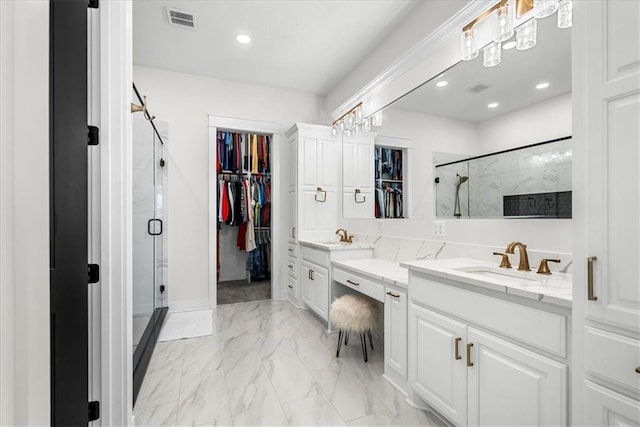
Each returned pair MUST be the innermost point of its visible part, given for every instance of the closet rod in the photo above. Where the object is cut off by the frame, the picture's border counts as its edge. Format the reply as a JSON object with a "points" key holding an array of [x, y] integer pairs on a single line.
{"points": [[135, 89]]}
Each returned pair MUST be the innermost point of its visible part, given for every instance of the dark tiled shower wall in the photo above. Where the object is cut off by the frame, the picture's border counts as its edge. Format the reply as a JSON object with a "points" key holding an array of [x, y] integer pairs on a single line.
{"points": [[547, 205]]}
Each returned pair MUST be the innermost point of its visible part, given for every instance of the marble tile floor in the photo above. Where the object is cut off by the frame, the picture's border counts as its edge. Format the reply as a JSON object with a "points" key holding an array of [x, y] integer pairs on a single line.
{"points": [[269, 363]]}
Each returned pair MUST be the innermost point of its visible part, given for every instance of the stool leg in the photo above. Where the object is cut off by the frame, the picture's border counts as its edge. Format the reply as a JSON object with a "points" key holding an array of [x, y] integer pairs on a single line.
{"points": [[340, 333], [363, 341], [370, 339], [346, 337]]}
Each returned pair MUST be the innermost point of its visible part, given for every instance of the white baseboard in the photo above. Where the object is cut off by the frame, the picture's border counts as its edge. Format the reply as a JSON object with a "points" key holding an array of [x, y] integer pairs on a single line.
{"points": [[189, 305]]}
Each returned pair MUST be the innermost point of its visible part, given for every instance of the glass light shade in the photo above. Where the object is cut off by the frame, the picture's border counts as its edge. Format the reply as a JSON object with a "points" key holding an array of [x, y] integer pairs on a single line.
{"points": [[504, 25], [366, 124], [348, 120], [526, 35], [341, 126], [347, 133], [565, 14], [376, 120], [334, 130], [359, 114], [492, 54], [469, 45], [356, 129], [544, 8]]}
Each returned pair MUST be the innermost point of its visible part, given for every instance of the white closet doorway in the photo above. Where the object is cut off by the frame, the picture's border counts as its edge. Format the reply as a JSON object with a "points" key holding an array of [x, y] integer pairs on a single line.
{"points": [[243, 244]]}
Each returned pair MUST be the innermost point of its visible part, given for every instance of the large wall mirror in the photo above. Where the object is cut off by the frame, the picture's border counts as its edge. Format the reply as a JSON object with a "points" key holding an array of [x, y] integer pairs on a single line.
{"points": [[512, 119]]}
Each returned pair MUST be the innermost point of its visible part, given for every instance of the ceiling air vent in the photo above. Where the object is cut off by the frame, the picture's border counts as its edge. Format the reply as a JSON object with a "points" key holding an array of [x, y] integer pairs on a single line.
{"points": [[477, 88], [181, 18]]}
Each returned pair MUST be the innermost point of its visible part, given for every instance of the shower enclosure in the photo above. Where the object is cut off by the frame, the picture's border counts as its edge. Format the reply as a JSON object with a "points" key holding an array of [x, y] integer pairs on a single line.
{"points": [[149, 241]]}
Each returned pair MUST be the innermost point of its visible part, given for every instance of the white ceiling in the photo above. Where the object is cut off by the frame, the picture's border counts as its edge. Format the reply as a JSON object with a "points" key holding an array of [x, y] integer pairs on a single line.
{"points": [[511, 83], [307, 46]]}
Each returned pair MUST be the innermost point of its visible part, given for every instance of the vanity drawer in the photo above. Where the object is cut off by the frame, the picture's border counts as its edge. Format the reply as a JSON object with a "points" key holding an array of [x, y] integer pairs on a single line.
{"points": [[316, 256], [541, 329], [292, 250], [612, 357], [360, 284], [292, 267]]}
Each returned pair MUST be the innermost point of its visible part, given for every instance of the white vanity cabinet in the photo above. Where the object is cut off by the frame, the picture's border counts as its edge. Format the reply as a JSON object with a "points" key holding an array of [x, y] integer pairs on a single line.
{"points": [[313, 177], [482, 360], [357, 176], [315, 288], [395, 334]]}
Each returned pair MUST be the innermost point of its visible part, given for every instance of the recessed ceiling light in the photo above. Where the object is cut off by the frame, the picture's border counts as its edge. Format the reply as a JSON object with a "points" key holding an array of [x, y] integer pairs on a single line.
{"points": [[542, 85], [442, 83], [493, 105], [243, 38], [509, 45]]}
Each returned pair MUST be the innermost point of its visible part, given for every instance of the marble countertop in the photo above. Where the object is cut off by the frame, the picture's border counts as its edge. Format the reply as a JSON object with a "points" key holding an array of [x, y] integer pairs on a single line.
{"points": [[337, 245], [383, 270], [554, 289]]}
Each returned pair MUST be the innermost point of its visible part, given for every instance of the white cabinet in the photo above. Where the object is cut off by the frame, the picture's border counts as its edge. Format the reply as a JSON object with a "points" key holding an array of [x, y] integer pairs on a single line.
{"points": [[475, 377], [315, 288], [395, 331], [606, 195], [510, 386], [438, 371], [357, 176], [313, 160]]}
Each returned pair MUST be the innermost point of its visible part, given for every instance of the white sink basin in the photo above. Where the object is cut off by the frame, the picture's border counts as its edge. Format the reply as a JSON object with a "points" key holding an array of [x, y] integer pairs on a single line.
{"points": [[500, 274]]}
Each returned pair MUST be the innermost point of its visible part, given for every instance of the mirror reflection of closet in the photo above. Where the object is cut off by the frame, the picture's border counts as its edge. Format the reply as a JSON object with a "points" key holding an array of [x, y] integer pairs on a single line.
{"points": [[150, 263]]}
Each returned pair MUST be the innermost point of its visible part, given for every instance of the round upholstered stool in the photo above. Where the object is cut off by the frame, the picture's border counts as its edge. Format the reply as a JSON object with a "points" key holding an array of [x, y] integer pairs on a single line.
{"points": [[354, 313]]}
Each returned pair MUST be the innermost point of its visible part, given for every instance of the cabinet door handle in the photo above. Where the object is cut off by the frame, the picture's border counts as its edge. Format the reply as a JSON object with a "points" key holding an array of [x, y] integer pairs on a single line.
{"points": [[353, 283], [319, 190], [293, 232], [469, 347], [638, 370], [590, 295], [291, 266], [311, 275], [457, 349], [391, 294], [291, 287], [290, 250]]}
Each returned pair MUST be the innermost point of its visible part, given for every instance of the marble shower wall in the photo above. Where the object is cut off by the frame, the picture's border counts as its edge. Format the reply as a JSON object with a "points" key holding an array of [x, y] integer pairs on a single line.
{"points": [[539, 169], [403, 249]]}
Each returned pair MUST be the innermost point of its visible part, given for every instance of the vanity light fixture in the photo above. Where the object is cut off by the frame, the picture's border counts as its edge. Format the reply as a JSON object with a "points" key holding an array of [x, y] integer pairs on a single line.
{"points": [[565, 14], [526, 34], [350, 122], [493, 105], [366, 124], [442, 83], [243, 38], [509, 45], [492, 54], [377, 119], [504, 29], [541, 86], [544, 8]]}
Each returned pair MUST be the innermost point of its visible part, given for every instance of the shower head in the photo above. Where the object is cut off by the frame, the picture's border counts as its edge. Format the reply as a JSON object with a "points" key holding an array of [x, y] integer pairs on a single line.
{"points": [[461, 178]]}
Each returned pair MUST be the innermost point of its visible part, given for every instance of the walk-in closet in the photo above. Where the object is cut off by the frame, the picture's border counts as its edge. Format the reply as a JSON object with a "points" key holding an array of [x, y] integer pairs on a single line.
{"points": [[243, 216]]}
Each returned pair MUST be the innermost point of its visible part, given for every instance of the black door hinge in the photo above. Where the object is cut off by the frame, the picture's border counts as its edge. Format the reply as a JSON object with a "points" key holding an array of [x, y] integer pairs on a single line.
{"points": [[93, 137], [94, 273], [93, 4], [94, 410]]}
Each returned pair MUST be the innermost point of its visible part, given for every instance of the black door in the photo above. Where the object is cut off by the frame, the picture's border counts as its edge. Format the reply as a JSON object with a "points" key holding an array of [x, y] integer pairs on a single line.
{"points": [[68, 212]]}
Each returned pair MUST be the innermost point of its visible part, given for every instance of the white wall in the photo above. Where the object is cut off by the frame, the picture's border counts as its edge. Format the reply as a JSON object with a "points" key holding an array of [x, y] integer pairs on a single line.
{"points": [[185, 101], [542, 121], [24, 213]]}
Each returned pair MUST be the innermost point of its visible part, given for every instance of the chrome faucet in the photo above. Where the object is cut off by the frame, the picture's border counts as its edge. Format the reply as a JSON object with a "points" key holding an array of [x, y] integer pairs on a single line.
{"points": [[344, 236], [524, 257]]}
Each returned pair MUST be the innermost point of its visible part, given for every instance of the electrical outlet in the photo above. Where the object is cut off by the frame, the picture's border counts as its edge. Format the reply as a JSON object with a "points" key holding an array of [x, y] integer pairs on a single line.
{"points": [[380, 226], [438, 228]]}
